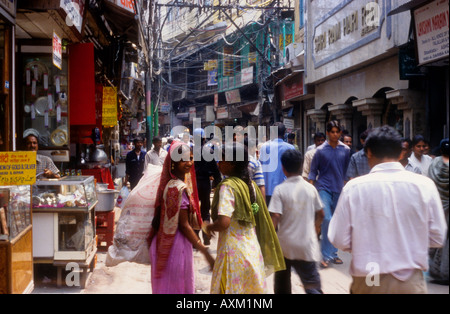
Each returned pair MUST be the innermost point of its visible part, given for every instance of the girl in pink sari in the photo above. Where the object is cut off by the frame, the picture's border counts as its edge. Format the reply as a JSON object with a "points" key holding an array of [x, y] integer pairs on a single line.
{"points": [[172, 236]]}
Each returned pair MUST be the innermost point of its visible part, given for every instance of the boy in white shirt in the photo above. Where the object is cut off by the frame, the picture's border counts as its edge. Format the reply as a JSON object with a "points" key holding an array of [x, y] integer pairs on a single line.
{"points": [[297, 213]]}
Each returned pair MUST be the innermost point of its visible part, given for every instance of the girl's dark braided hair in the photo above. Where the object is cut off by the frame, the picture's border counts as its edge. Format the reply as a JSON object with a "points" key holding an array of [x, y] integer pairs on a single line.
{"points": [[240, 169]]}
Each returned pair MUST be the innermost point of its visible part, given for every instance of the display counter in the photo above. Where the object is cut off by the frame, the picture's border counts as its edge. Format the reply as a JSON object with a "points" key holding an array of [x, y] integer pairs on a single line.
{"points": [[16, 257], [64, 222]]}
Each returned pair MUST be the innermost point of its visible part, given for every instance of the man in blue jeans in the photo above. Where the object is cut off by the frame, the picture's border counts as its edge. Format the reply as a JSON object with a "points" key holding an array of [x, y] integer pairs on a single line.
{"points": [[328, 173]]}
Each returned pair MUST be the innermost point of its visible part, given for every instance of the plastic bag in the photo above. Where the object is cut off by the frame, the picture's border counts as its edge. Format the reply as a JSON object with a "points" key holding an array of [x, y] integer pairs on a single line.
{"points": [[123, 195], [133, 226]]}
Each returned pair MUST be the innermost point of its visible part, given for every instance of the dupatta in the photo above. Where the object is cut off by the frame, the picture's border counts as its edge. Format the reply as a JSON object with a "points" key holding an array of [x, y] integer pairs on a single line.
{"points": [[244, 213], [167, 207]]}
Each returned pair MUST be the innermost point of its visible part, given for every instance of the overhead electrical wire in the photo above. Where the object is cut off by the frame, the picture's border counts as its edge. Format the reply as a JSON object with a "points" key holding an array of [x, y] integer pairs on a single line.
{"points": [[195, 43]]}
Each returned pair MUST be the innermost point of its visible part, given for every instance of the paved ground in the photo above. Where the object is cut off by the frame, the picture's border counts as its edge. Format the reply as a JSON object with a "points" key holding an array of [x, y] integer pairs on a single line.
{"points": [[131, 278]]}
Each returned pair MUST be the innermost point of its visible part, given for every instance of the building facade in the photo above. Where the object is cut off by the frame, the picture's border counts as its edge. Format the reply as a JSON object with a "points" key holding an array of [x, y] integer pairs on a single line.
{"points": [[361, 63]]}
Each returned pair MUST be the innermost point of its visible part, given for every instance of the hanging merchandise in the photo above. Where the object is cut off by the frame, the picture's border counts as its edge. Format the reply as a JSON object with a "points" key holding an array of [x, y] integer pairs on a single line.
{"points": [[45, 100]]}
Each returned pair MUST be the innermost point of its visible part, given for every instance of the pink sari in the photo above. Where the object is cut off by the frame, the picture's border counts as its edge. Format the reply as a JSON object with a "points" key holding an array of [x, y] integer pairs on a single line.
{"points": [[171, 253]]}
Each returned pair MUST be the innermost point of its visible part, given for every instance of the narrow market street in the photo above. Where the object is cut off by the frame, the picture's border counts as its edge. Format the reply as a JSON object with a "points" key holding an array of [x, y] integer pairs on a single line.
{"points": [[132, 278], [197, 115]]}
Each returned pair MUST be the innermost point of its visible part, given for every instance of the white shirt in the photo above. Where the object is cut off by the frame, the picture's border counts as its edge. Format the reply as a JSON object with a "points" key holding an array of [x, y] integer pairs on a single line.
{"points": [[311, 147], [297, 201], [423, 164], [309, 155], [389, 217], [152, 157]]}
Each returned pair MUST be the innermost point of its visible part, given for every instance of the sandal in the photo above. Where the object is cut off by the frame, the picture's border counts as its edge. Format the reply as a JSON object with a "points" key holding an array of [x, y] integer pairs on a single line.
{"points": [[337, 261], [324, 264]]}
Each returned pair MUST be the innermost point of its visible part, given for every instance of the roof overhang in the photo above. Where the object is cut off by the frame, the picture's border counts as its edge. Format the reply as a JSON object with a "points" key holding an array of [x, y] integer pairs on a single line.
{"points": [[410, 5]]}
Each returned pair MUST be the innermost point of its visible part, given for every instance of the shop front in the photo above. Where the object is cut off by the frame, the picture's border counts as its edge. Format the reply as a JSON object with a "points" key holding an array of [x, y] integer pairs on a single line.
{"points": [[60, 96], [354, 64], [424, 60]]}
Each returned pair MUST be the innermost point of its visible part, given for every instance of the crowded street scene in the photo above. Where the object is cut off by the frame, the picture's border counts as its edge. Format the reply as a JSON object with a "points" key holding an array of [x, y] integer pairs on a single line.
{"points": [[209, 147]]}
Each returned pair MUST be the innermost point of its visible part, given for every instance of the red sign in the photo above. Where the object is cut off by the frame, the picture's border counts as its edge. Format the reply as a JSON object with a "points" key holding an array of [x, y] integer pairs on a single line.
{"points": [[57, 51], [127, 5], [293, 88]]}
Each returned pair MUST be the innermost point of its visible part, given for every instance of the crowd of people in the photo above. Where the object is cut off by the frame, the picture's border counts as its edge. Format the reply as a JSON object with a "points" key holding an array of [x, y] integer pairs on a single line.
{"points": [[275, 209]]}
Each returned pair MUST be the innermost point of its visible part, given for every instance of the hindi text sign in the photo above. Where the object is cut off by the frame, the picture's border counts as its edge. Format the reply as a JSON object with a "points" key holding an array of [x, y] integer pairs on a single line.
{"points": [[57, 51], [17, 168], [109, 110]]}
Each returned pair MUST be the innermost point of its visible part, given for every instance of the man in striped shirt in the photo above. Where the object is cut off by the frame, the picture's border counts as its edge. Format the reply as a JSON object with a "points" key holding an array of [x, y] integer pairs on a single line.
{"points": [[44, 165], [254, 166]]}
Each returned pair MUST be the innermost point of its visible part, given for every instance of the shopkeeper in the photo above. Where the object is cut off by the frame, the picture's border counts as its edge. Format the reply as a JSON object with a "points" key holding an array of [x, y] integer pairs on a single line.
{"points": [[45, 168]]}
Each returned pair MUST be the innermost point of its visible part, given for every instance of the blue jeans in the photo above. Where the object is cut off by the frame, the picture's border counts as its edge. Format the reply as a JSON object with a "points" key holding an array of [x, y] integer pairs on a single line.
{"points": [[329, 200], [308, 275]]}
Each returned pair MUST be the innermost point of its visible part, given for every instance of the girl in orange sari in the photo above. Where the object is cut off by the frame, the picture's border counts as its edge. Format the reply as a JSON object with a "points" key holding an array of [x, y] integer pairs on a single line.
{"points": [[172, 236]]}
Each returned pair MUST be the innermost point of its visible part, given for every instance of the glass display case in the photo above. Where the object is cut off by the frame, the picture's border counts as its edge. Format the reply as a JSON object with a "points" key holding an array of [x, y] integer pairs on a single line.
{"points": [[64, 216], [16, 257], [67, 194], [15, 211]]}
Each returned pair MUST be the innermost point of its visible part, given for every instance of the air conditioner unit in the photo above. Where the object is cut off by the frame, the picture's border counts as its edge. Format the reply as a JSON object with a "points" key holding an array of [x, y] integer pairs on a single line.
{"points": [[292, 51]]}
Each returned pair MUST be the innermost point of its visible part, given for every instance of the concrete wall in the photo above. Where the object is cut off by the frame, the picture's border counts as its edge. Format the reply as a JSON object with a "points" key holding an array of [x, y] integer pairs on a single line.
{"points": [[346, 35]]}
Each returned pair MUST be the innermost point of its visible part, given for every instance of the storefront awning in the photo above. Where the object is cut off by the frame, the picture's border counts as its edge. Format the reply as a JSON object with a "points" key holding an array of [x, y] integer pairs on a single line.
{"points": [[248, 108], [287, 77], [121, 21], [407, 6]]}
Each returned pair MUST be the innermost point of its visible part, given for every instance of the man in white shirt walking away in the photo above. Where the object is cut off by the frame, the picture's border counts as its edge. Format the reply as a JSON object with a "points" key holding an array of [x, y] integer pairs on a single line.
{"points": [[297, 213], [387, 233]]}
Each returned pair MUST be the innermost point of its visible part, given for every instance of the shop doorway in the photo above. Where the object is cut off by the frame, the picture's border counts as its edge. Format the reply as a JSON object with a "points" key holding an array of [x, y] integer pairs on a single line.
{"points": [[391, 115]]}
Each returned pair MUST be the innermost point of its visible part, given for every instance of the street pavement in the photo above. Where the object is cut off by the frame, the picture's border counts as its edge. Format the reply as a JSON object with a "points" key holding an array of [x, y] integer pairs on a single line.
{"points": [[132, 278]]}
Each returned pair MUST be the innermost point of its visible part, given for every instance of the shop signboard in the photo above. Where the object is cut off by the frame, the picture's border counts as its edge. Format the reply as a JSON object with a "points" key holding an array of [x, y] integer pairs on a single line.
{"points": [[222, 113], [9, 6], [164, 107], [109, 111], [408, 63], [17, 168], [233, 96], [210, 65], [57, 51], [289, 124], [74, 10], [432, 26], [125, 4], [212, 77], [347, 27], [247, 76], [293, 88]]}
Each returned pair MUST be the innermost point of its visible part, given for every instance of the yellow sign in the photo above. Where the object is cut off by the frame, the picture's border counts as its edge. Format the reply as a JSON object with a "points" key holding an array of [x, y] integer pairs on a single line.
{"points": [[109, 111], [17, 168], [210, 65]]}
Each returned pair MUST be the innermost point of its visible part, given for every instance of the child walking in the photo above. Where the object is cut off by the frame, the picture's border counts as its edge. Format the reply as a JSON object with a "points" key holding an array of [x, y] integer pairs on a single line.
{"points": [[297, 213]]}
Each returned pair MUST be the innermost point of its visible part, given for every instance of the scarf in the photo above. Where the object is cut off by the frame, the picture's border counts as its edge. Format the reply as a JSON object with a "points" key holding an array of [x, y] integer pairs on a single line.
{"points": [[438, 172], [243, 212], [167, 207], [438, 257]]}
